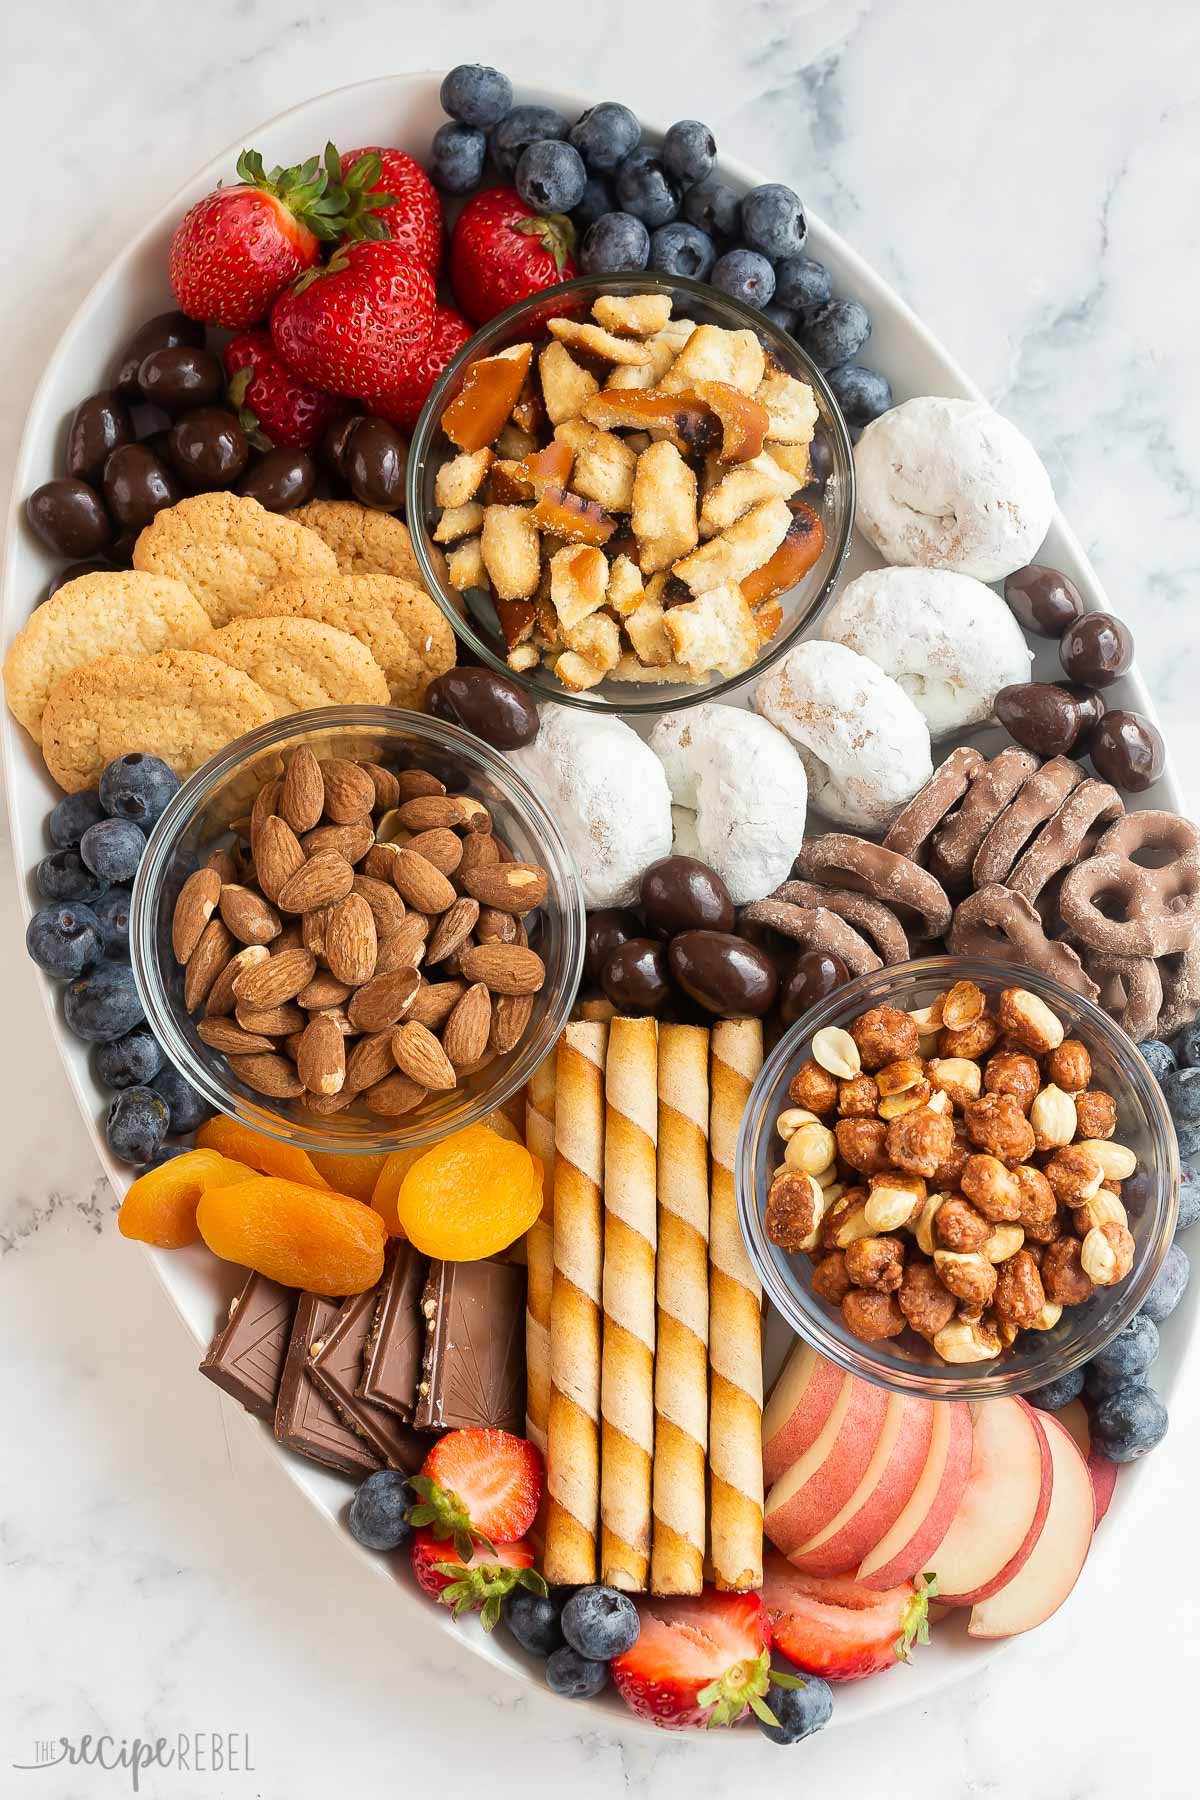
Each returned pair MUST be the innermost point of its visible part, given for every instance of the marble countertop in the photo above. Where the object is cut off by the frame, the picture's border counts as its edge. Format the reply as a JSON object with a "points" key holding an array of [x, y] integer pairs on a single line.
{"points": [[1027, 191]]}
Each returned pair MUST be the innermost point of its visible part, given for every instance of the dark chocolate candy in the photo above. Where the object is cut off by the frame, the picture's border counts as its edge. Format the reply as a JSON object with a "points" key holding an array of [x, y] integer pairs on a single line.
{"points": [[337, 1370], [392, 1358], [473, 1371], [247, 1354], [306, 1420]]}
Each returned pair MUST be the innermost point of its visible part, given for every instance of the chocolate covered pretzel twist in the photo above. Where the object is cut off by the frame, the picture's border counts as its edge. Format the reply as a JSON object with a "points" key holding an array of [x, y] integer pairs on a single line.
{"points": [[1003, 926], [840, 861], [1157, 905]]}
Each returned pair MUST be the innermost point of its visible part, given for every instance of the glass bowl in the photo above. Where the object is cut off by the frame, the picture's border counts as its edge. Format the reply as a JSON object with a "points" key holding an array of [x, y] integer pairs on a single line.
{"points": [[198, 820], [474, 619], [908, 1364]]}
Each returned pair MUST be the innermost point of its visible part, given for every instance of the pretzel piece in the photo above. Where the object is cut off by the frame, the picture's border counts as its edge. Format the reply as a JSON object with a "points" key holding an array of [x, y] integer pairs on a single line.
{"points": [[1118, 904], [912, 829], [1003, 926], [841, 861], [815, 928]]}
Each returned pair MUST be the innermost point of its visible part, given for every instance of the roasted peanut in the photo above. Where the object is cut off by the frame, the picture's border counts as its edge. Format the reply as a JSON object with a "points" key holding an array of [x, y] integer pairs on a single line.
{"points": [[830, 1277], [877, 1263], [1074, 1174], [959, 1227], [1004, 1242], [894, 1200], [996, 1124], [811, 1149], [973, 1040], [991, 1188], [1107, 1254], [792, 1118], [962, 1005], [858, 1098], [924, 1226], [1028, 1019], [863, 1144], [795, 1207], [1063, 1275], [897, 1077], [884, 1034], [1116, 1162], [924, 1300], [1096, 1113], [836, 1052], [1104, 1208], [896, 1105], [967, 1274], [1069, 1066], [1020, 1295], [872, 1316], [1012, 1072], [814, 1087], [846, 1220], [920, 1141], [1052, 1116], [956, 1076], [967, 1340]]}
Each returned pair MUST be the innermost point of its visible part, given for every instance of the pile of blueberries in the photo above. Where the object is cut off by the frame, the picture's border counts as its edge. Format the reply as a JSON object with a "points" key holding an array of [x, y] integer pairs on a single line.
{"points": [[635, 207], [1127, 1417], [81, 937]]}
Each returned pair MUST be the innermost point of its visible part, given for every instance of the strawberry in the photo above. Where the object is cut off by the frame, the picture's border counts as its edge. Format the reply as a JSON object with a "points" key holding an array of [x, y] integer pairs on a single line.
{"points": [[237, 249], [501, 253], [835, 1626], [358, 325], [450, 333], [701, 1660], [479, 1486], [391, 196], [273, 406], [477, 1583]]}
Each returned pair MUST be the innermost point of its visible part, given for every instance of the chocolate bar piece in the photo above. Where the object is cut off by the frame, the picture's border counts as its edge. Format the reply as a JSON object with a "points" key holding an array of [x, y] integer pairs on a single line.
{"points": [[392, 1359], [337, 1368], [473, 1371], [247, 1354], [306, 1420]]}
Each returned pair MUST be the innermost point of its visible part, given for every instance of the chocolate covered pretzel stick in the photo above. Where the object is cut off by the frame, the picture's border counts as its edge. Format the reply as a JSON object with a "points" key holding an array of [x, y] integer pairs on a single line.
{"points": [[539, 1252]]}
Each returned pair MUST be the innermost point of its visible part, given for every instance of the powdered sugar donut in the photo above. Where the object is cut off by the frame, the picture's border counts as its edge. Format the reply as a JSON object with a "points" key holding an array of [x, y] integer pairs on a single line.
{"points": [[608, 794], [950, 484], [864, 745], [950, 642], [745, 792]]}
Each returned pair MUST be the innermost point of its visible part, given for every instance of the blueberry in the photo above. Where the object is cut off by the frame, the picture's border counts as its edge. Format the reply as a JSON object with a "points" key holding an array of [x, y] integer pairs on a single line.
{"points": [[645, 189], [72, 816], [605, 134], [820, 459], [130, 1061], [112, 910], [783, 316], [689, 151], [63, 875], [551, 177], [456, 157], [1128, 1422], [1169, 1285], [379, 1511], [573, 1676], [186, 1107], [138, 787], [113, 849], [523, 126], [1189, 1198], [773, 221], [835, 332], [136, 1125], [533, 1620], [715, 208], [682, 249], [800, 1711], [802, 282], [1159, 1056], [593, 203], [1127, 1356], [861, 393], [168, 1153], [1057, 1394], [1181, 1091], [615, 242], [1187, 1046], [745, 276], [65, 939], [601, 1622], [476, 94], [103, 1004]]}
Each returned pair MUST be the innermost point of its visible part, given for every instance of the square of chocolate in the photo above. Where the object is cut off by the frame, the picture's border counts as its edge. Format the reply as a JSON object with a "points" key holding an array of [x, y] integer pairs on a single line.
{"points": [[306, 1420], [336, 1368], [473, 1370], [247, 1354], [392, 1358]]}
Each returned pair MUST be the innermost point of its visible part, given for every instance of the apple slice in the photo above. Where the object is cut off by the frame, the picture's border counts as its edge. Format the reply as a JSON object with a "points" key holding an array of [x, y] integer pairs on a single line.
{"points": [[1103, 1473], [801, 1401], [908, 1548], [887, 1485], [1050, 1571], [1003, 1506], [816, 1487]]}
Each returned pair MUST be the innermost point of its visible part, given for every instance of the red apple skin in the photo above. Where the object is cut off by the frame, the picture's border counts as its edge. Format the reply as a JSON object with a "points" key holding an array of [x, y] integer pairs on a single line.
{"points": [[1037, 1590], [886, 1487], [815, 1488], [800, 1402], [925, 1520], [976, 1499]]}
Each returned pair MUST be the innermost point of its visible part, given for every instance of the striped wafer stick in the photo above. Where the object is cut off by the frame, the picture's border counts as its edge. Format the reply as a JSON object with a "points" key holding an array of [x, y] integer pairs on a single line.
{"points": [[539, 1252], [573, 1421], [681, 1369], [630, 1231], [735, 1329]]}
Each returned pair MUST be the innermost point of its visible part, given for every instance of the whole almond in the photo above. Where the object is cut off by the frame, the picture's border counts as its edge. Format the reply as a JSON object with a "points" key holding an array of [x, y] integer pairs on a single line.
{"points": [[495, 927], [349, 791], [450, 810], [504, 968], [197, 902], [389, 829], [277, 856], [350, 841], [415, 784], [504, 853], [420, 884], [387, 788], [477, 850], [279, 979], [405, 949], [302, 796], [435, 1001], [323, 1104], [321, 1056], [270, 1075], [230, 1039], [513, 887], [369, 1061], [313, 926], [394, 1095], [377, 863], [452, 930], [441, 847], [322, 991], [266, 804], [511, 1014], [387, 908], [290, 938], [383, 1000], [324, 878], [210, 956], [272, 1021], [419, 1056], [351, 945], [251, 919], [224, 862], [466, 1032], [489, 1056], [221, 998]]}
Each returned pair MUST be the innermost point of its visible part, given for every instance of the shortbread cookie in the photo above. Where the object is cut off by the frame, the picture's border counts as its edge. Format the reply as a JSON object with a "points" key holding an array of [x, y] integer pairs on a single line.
{"points": [[182, 705], [300, 663], [365, 542], [406, 632], [114, 612], [230, 550]]}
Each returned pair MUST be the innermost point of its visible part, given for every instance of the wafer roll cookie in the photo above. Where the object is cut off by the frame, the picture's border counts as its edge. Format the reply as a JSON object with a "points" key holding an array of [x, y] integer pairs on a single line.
{"points": [[735, 1328], [630, 1232], [681, 1368], [573, 1423], [539, 1252]]}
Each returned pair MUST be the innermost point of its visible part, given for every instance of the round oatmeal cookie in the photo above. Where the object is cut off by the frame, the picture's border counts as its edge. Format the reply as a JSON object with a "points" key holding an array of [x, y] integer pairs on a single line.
{"points": [[230, 550], [113, 612], [365, 541], [406, 632], [181, 705], [300, 663]]}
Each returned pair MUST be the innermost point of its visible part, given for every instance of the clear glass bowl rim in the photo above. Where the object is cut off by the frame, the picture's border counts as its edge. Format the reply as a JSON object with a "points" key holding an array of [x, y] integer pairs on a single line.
{"points": [[739, 317], [803, 1313]]}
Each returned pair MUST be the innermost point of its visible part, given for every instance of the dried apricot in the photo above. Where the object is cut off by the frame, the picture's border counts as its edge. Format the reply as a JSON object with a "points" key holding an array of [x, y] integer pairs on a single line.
{"points": [[267, 1154], [353, 1175], [160, 1207], [387, 1187], [301, 1236], [470, 1196]]}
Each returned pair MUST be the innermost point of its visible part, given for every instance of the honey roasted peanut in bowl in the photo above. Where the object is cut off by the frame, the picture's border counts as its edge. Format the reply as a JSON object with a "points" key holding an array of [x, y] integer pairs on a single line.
{"points": [[357, 929], [989, 1222]]}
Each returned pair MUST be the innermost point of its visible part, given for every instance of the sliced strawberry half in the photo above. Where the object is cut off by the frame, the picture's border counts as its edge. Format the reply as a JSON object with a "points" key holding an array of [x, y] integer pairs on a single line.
{"points": [[477, 1583], [837, 1627], [700, 1660], [479, 1486]]}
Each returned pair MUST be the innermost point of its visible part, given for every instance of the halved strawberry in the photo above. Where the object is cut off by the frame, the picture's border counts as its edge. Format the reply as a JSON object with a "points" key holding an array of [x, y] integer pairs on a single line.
{"points": [[477, 1583], [837, 1627], [700, 1660], [479, 1486]]}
